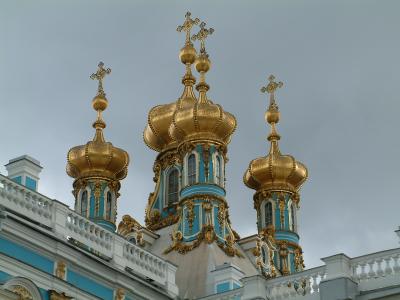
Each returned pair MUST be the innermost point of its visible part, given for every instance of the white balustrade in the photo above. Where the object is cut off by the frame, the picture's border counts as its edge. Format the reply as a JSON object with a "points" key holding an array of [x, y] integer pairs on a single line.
{"points": [[89, 234], [145, 263], [305, 283], [376, 270], [235, 294], [85, 234], [25, 202]]}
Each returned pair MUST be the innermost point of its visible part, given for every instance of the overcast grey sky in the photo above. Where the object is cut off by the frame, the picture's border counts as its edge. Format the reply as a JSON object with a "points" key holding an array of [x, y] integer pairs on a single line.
{"points": [[339, 61]]}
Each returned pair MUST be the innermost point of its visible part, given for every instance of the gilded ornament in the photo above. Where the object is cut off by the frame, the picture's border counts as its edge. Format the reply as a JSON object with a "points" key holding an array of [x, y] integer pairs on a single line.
{"points": [[120, 294], [282, 211], [54, 295], [128, 225], [221, 215], [22, 292], [140, 239], [61, 270], [190, 214]]}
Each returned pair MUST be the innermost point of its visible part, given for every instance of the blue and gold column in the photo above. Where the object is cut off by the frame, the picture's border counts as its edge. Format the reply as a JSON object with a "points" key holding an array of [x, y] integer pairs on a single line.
{"points": [[98, 167], [277, 179], [202, 131]]}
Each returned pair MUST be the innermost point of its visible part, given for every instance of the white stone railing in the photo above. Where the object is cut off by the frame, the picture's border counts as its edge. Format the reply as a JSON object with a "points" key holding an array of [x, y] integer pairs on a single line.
{"points": [[376, 270], [305, 283], [67, 224], [89, 234], [25, 202], [144, 262]]}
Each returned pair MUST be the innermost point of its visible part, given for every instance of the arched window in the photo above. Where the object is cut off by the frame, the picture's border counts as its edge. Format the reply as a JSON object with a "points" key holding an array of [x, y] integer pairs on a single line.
{"points": [[264, 255], [292, 217], [191, 169], [268, 213], [218, 169], [84, 203], [132, 240], [173, 187], [108, 205]]}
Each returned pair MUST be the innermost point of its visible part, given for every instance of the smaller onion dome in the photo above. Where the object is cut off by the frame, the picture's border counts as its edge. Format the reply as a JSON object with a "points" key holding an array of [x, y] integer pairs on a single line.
{"points": [[98, 158], [160, 117], [275, 171], [202, 120]]}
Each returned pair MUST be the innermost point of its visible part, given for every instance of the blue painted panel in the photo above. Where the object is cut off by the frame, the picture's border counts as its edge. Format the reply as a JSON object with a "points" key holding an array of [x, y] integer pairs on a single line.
{"points": [[218, 228], [201, 163], [277, 217], [44, 293], [223, 287], [211, 189], [4, 277], [30, 183], [17, 179], [89, 285], [236, 285], [106, 225], [25, 255], [285, 235], [196, 224]]}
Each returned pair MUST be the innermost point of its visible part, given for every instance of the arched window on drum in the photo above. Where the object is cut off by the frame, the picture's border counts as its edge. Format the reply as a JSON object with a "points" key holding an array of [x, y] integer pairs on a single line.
{"points": [[109, 206], [268, 214], [292, 217], [218, 171], [84, 203], [173, 187], [191, 169]]}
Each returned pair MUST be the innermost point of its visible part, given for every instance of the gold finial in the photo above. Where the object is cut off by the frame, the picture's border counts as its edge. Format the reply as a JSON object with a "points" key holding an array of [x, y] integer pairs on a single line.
{"points": [[99, 75], [270, 89], [187, 26], [202, 35]]}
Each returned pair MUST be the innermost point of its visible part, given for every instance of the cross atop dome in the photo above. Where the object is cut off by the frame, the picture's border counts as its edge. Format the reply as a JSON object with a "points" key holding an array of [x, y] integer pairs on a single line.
{"points": [[187, 26], [270, 89], [99, 75], [202, 35]]}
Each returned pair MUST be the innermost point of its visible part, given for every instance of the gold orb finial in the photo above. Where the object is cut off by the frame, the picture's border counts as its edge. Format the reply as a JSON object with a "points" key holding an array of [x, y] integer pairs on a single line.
{"points": [[99, 102], [188, 53]]}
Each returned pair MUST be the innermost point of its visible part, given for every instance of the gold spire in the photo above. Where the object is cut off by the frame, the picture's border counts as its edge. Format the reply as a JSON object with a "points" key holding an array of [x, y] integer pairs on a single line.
{"points": [[98, 158], [187, 56], [272, 114], [203, 63], [100, 102], [274, 171]]}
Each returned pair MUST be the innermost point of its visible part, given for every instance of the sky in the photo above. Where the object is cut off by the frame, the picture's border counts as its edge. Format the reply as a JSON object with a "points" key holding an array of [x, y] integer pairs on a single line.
{"points": [[339, 62]]}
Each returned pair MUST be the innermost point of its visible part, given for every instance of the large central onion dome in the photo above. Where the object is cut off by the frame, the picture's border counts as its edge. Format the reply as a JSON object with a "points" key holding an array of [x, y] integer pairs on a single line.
{"points": [[202, 120], [160, 117], [275, 171], [98, 158]]}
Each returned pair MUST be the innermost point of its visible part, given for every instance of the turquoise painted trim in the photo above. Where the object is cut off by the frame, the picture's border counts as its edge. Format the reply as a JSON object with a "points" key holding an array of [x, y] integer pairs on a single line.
{"points": [[26, 255], [196, 225], [199, 150], [4, 277], [279, 235], [89, 285], [277, 217], [17, 179], [44, 293], [218, 228], [236, 285], [223, 287], [30, 183], [106, 225], [202, 189]]}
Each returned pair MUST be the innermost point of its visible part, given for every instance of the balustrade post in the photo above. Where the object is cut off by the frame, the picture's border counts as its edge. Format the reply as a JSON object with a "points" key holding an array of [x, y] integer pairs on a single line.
{"points": [[170, 285], [59, 218], [338, 283], [254, 287]]}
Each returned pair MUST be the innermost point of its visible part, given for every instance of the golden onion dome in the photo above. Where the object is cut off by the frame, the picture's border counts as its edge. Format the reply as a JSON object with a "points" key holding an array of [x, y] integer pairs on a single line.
{"points": [[275, 171], [202, 120], [160, 117], [98, 158]]}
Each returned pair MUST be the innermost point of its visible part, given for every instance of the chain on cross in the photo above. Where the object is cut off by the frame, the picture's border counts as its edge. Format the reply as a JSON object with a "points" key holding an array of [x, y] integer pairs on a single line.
{"points": [[187, 26], [270, 89], [202, 35], [99, 75]]}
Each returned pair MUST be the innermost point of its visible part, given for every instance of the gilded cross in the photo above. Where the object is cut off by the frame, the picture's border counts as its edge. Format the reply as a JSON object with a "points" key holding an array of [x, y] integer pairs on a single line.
{"points": [[202, 35], [271, 88], [187, 26], [99, 75]]}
